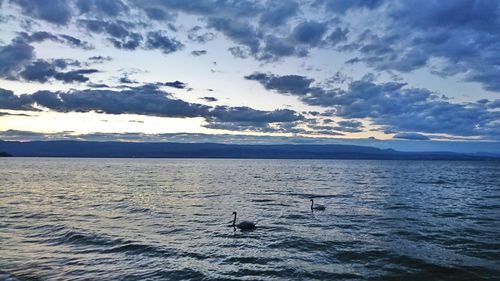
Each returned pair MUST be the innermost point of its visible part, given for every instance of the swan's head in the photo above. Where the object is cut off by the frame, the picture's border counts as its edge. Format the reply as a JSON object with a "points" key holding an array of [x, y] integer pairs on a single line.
{"points": [[234, 213], [311, 199]]}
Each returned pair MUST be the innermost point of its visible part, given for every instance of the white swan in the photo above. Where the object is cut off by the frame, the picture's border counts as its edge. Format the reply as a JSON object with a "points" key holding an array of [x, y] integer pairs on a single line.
{"points": [[244, 225], [317, 207]]}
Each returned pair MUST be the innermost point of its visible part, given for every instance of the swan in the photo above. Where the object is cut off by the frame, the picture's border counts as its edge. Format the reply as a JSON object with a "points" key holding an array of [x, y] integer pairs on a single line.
{"points": [[244, 225], [317, 207]]}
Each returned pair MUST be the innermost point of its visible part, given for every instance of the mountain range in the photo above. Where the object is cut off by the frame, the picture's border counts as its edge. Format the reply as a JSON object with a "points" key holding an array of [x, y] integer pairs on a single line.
{"points": [[71, 148]]}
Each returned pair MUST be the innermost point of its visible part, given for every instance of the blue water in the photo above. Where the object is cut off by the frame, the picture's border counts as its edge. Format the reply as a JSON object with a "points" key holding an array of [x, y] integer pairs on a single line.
{"points": [[167, 219]]}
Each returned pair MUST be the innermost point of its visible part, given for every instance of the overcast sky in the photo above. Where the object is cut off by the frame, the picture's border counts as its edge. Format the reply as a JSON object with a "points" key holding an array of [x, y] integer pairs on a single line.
{"points": [[413, 75]]}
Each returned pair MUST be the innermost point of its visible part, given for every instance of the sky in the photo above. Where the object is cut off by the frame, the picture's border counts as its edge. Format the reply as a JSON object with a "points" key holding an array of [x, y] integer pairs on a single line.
{"points": [[411, 75]]}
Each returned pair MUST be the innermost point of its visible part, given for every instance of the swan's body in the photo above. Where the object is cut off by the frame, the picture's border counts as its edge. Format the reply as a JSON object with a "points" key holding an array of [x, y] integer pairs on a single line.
{"points": [[244, 225], [317, 207]]}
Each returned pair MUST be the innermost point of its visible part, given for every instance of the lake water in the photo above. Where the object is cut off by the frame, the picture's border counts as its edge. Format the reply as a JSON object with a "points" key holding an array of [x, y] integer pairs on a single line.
{"points": [[168, 219]]}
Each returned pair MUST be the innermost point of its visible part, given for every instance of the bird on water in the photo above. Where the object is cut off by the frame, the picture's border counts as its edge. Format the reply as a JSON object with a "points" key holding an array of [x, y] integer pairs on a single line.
{"points": [[244, 225], [316, 207]]}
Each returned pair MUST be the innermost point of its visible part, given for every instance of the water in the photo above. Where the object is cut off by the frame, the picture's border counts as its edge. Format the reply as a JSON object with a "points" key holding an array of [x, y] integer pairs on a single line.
{"points": [[167, 219]]}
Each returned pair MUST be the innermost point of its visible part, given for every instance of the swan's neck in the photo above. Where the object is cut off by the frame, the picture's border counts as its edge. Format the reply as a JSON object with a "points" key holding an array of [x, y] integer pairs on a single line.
{"points": [[234, 220], [312, 203]]}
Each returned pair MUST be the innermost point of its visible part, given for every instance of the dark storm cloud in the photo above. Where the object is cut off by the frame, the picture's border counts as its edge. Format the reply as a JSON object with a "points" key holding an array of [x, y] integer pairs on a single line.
{"points": [[411, 136], [53, 11], [144, 100], [392, 105]]}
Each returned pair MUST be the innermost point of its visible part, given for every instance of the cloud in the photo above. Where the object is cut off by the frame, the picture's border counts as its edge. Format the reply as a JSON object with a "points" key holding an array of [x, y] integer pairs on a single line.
{"points": [[176, 84], [351, 126], [111, 8], [158, 14], [198, 53], [293, 84], [126, 80], [100, 59], [44, 70], [341, 6], [40, 36], [338, 35], [75, 42], [278, 12], [240, 32], [209, 99], [15, 114], [53, 11], [158, 40], [195, 34], [395, 106], [14, 56], [411, 136], [17, 62], [247, 114], [74, 75], [118, 30], [251, 25], [10, 101], [93, 85], [239, 52], [143, 100], [447, 37], [309, 32]]}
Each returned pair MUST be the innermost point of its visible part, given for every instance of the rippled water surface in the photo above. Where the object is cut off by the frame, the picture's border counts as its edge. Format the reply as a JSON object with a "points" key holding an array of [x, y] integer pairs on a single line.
{"points": [[167, 219]]}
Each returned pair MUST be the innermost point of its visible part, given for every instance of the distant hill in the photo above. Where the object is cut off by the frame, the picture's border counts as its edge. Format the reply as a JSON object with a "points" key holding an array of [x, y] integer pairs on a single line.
{"points": [[5, 154], [214, 150]]}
